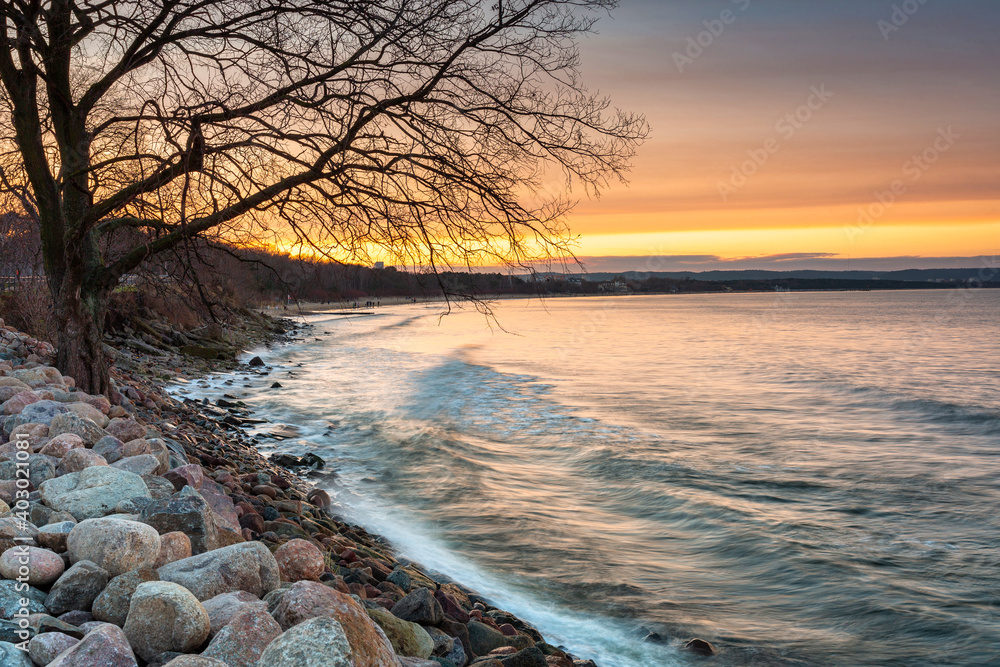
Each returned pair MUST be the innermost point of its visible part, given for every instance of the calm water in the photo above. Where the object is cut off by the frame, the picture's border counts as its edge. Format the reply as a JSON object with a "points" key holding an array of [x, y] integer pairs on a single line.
{"points": [[804, 479]]}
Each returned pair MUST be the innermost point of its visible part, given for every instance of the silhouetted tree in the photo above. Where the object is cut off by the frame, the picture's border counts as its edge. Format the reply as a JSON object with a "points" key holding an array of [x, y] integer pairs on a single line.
{"points": [[432, 128]]}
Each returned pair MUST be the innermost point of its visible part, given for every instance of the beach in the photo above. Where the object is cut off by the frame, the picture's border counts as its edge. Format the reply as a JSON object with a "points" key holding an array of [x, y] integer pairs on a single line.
{"points": [[153, 532]]}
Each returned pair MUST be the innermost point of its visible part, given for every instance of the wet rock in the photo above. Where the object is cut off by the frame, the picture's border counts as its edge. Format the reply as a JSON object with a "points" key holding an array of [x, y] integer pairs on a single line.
{"points": [[174, 546], [186, 512], [248, 566], [400, 578], [700, 647], [256, 362], [71, 422], [241, 641], [484, 639], [298, 560], [117, 545], [407, 638], [92, 492], [44, 648], [76, 588], [105, 646], [529, 657], [111, 605], [44, 567], [419, 606], [164, 616]]}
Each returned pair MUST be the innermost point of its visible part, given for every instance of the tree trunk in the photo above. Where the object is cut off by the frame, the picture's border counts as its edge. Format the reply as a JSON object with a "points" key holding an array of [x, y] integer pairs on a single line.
{"points": [[80, 350]]}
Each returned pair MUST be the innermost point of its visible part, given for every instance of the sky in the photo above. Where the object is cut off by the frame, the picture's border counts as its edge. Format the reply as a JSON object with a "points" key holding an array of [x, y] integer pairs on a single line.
{"points": [[800, 134]]}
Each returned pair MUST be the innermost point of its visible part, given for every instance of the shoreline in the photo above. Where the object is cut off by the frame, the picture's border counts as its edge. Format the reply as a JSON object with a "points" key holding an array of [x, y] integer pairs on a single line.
{"points": [[206, 481]]}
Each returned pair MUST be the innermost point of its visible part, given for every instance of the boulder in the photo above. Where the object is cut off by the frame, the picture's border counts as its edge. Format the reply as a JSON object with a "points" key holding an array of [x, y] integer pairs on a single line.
{"points": [[76, 460], [117, 545], [111, 606], [43, 566], [144, 464], [44, 648], [71, 422], [76, 588], [419, 606], [194, 661], [306, 600], [104, 646], [164, 616], [241, 641], [299, 560], [407, 638], [319, 642], [12, 656], [54, 535], [126, 429], [92, 492], [248, 566], [186, 512], [110, 447], [90, 412], [16, 404], [174, 546], [60, 445]]}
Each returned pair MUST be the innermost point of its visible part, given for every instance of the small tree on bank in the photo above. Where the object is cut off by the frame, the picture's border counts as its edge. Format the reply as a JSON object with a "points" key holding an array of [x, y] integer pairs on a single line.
{"points": [[428, 127]]}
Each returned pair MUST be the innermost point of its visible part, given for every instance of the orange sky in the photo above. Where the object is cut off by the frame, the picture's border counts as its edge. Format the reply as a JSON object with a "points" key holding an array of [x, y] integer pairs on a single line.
{"points": [[801, 129]]}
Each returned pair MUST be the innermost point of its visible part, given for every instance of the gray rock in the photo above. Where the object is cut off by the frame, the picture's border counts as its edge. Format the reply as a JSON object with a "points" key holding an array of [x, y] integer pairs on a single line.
{"points": [[188, 513], [110, 448], [76, 589], [12, 656], [248, 566], [159, 488], [419, 606], [10, 599], [92, 492], [117, 545], [71, 422], [144, 464], [111, 606], [42, 412], [319, 642], [44, 648], [400, 578], [164, 616]]}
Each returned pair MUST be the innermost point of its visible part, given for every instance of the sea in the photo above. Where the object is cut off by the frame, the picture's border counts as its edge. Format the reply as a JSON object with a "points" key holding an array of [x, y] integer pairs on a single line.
{"points": [[797, 478]]}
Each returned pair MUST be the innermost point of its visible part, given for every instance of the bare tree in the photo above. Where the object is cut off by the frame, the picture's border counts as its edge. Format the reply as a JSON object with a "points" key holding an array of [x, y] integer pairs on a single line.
{"points": [[430, 128]]}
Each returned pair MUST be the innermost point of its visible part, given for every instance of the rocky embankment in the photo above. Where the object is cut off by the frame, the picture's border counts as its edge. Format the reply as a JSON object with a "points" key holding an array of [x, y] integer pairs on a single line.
{"points": [[146, 533]]}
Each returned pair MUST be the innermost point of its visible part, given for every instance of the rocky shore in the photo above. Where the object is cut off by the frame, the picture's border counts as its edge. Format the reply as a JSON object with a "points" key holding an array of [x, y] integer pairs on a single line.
{"points": [[152, 532]]}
